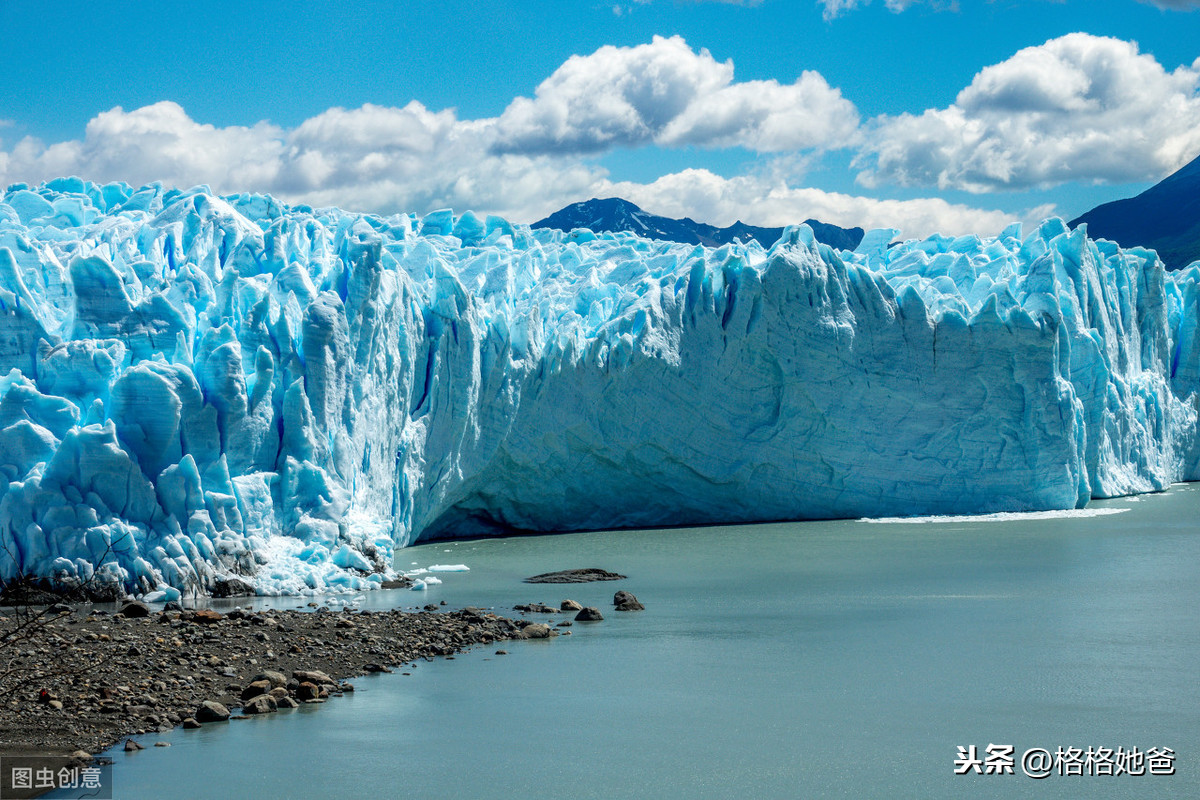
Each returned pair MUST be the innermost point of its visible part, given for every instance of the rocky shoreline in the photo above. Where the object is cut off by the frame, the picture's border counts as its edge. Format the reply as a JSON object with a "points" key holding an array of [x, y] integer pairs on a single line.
{"points": [[106, 676]]}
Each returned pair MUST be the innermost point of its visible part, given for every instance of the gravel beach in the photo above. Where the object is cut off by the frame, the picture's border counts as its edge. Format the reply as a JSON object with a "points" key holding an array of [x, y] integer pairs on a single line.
{"points": [[110, 675]]}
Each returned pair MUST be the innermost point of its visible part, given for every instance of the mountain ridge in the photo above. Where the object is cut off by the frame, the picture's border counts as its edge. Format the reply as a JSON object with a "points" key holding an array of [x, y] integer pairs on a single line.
{"points": [[1164, 218], [613, 214]]}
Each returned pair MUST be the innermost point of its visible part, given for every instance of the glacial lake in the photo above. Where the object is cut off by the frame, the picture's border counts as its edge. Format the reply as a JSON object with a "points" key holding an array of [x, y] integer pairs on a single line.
{"points": [[821, 659]]}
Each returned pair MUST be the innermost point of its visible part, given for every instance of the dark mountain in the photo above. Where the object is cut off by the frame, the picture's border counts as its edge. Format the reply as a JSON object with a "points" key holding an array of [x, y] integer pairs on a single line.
{"points": [[1165, 217], [615, 214]]}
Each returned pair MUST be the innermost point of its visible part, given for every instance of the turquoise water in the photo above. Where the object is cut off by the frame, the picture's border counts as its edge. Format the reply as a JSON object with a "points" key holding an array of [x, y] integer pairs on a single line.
{"points": [[831, 659]]}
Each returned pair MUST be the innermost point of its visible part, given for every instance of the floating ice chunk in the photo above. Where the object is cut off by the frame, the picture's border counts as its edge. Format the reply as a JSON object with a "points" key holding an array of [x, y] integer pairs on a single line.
{"points": [[449, 568], [1004, 516], [168, 595]]}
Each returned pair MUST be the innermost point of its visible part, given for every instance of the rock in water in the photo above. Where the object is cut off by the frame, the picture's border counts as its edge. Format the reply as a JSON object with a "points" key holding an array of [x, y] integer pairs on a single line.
{"points": [[625, 601], [262, 704], [589, 614], [570, 605], [308, 691], [313, 676], [575, 576], [537, 631], [211, 711], [231, 587], [134, 610]]}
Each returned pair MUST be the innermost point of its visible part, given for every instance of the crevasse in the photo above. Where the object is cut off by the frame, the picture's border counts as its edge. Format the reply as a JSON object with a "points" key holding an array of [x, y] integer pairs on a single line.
{"points": [[199, 387]]}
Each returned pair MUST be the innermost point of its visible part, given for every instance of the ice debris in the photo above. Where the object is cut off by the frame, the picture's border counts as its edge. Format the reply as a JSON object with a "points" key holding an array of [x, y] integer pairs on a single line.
{"points": [[194, 387]]}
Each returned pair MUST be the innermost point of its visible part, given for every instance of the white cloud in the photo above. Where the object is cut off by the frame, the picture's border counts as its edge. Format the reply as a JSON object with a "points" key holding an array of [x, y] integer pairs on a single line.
{"points": [[386, 159], [762, 200], [391, 159], [156, 142], [1077, 108], [664, 93], [371, 158]]}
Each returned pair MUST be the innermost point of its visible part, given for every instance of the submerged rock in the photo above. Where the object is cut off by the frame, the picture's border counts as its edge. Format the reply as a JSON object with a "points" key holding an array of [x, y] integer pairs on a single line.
{"points": [[575, 576]]}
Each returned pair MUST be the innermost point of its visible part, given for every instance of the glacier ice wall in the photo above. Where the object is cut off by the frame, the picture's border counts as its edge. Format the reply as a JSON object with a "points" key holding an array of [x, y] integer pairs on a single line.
{"points": [[197, 388]]}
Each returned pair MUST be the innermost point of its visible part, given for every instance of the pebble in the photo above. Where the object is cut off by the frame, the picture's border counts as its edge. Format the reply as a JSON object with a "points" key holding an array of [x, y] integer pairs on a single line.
{"points": [[190, 667]]}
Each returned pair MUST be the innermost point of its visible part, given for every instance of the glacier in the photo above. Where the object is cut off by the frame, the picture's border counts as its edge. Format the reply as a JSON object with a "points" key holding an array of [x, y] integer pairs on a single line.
{"points": [[200, 392]]}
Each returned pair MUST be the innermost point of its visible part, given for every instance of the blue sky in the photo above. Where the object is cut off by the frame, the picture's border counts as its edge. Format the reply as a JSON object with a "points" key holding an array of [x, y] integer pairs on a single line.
{"points": [[920, 114]]}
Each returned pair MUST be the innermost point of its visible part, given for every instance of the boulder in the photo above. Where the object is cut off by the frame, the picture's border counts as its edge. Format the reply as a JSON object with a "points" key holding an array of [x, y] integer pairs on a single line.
{"points": [[271, 676], [231, 587], [625, 601], [537, 631], [255, 689], [570, 605], [313, 676], [211, 711], [263, 704], [206, 616], [134, 610], [589, 614], [307, 691]]}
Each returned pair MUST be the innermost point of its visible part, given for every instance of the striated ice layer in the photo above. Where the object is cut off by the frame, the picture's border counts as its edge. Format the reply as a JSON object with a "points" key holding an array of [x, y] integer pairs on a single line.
{"points": [[197, 389]]}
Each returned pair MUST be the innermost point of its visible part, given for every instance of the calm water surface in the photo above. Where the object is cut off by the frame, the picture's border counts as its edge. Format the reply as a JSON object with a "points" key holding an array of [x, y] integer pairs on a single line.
{"points": [[830, 659]]}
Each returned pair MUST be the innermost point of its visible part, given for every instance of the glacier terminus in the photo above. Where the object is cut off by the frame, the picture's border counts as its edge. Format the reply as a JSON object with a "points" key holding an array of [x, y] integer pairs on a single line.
{"points": [[199, 388]]}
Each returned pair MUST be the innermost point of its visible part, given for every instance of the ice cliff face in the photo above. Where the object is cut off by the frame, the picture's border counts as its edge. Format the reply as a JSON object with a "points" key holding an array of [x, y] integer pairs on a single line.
{"points": [[200, 388]]}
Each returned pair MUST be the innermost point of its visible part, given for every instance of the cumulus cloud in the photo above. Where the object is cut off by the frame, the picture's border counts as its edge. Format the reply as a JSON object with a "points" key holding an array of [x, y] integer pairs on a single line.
{"points": [[383, 159], [762, 200], [412, 158], [665, 93], [156, 142], [1079, 107], [372, 158]]}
